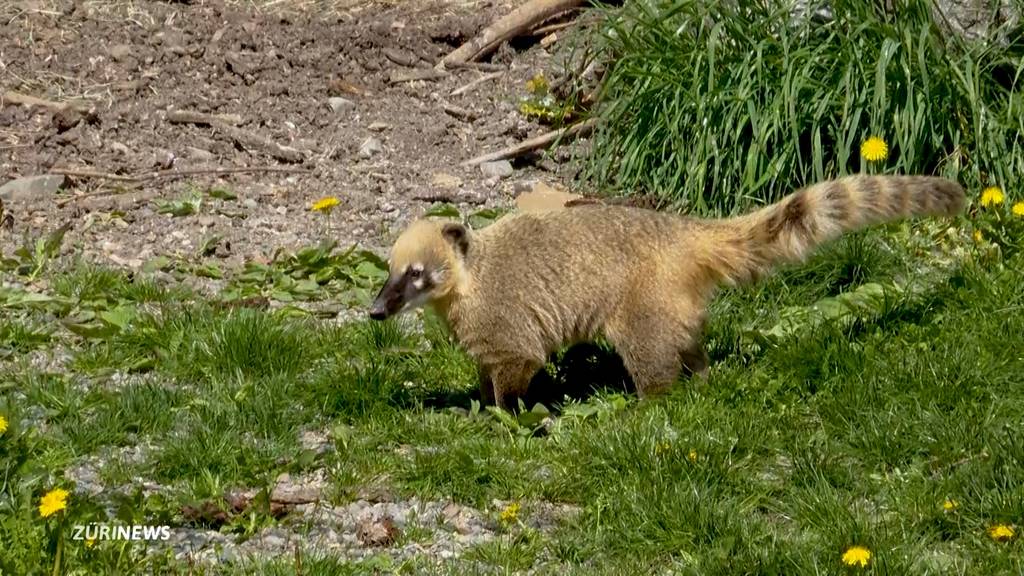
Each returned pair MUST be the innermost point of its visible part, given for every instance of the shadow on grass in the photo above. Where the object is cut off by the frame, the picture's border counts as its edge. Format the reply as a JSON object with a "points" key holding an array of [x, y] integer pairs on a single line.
{"points": [[577, 374]]}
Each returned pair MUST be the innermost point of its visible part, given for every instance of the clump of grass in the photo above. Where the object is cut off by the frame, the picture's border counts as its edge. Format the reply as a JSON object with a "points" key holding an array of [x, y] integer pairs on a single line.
{"points": [[709, 104]]}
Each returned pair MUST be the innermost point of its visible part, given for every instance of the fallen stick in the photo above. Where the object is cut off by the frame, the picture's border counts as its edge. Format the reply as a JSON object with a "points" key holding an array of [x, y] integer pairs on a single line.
{"points": [[12, 97], [243, 138], [85, 173], [189, 117], [550, 28], [253, 141], [537, 142], [511, 25], [460, 113], [147, 176], [481, 66], [399, 76], [475, 83]]}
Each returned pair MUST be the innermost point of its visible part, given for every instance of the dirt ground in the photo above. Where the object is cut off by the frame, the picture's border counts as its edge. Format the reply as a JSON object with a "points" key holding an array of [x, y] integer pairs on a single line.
{"points": [[318, 81]]}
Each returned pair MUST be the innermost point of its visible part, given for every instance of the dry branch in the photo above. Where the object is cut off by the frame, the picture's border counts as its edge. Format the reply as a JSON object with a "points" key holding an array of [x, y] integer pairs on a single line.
{"points": [[253, 141], [535, 143], [248, 140], [12, 97], [399, 76], [189, 117], [511, 25], [136, 179], [475, 83]]}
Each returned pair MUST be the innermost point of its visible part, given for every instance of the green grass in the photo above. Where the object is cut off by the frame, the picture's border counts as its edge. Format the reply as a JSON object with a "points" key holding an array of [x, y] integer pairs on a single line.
{"points": [[848, 398], [841, 433], [714, 105]]}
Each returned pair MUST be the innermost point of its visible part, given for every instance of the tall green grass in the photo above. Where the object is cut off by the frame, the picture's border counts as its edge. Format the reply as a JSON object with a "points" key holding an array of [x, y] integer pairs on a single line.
{"points": [[712, 103]]}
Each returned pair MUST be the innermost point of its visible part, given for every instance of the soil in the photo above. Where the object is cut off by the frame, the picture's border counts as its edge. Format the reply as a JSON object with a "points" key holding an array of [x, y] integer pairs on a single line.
{"points": [[387, 151]]}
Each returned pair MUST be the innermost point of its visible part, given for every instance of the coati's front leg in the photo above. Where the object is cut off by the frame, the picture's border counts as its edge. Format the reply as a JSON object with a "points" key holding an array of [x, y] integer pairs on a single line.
{"points": [[511, 380], [486, 388]]}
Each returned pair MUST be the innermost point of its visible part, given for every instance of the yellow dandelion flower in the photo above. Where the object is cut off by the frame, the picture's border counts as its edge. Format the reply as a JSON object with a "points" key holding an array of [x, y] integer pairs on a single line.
{"points": [[1018, 209], [52, 502], [1001, 532], [856, 556], [510, 513], [3, 424], [692, 455], [978, 236], [326, 204], [992, 196], [89, 543], [874, 149], [949, 505], [662, 447], [537, 84]]}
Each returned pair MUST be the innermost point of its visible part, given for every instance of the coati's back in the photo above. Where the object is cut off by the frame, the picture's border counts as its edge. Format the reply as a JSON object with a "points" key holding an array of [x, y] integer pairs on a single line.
{"points": [[565, 269]]}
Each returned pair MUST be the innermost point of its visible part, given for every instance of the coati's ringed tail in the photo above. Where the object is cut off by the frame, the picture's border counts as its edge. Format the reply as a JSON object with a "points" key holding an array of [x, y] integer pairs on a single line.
{"points": [[532, 282]]}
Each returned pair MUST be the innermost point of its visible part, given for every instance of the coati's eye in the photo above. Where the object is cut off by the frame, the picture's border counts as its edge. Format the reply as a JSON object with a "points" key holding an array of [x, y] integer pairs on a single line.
{"points": [[415, 272]]}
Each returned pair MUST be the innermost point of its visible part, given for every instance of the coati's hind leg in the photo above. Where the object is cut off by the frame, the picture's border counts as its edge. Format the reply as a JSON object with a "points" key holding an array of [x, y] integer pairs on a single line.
{"points": [[657, 344]]}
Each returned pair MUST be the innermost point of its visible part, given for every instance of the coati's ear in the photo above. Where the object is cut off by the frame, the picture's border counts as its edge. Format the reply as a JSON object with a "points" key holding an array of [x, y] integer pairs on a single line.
{"points": [[457, 235]]}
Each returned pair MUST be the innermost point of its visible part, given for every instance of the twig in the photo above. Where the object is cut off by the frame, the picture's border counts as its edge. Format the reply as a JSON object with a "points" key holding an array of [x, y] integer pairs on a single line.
{"points": [[511, 25], [574, 131], [189, 117], [10, 96], [548, 29], [460, 113], [163, 174], [243, 138], [252, 140], [475, 83], [399, 76], [481, 66]]}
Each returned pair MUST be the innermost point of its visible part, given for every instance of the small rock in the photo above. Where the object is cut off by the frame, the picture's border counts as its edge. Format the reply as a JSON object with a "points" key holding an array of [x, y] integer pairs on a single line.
{"points": [[492, 181], [370, 147], [238, 63], [500, 169], [443, 180], [31, 187], [401, 57], [198, 153], [374, 532], [119, 51], [282, 210], [163, 159], [337, 103], [250, 203], [378, 127], [118, 147], [207, 221]]}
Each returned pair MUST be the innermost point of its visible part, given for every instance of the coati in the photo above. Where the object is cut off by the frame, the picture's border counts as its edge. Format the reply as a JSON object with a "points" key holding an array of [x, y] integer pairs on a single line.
{"points": [[525, 286]]}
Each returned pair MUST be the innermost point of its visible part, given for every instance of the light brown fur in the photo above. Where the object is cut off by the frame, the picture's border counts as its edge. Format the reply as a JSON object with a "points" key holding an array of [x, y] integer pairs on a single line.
{"points": [[531, 283]]}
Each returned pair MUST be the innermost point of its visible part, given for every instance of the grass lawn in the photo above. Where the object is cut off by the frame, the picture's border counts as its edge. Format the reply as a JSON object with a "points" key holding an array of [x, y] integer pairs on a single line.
{"points": [[895, 427]]}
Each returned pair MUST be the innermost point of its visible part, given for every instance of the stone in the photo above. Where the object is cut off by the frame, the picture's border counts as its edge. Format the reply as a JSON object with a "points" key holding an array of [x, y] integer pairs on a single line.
{"points": [[444, 180], [119, 51], [370, 147], [499, 168], [337, 103], [31, 188]]}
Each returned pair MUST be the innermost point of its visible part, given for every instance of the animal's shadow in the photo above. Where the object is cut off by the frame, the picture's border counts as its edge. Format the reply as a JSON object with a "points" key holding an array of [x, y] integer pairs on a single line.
{"points": [[574, 374]]}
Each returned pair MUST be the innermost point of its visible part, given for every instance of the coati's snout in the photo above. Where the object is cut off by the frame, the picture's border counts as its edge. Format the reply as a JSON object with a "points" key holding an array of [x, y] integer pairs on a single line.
{"points": [[404, 289]]}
